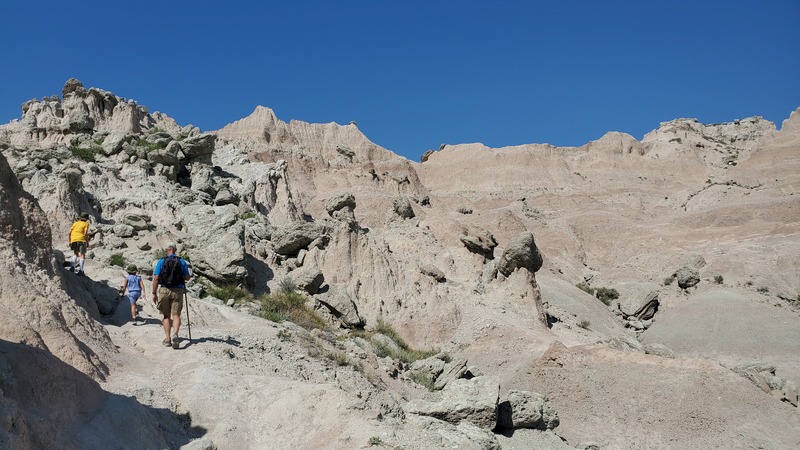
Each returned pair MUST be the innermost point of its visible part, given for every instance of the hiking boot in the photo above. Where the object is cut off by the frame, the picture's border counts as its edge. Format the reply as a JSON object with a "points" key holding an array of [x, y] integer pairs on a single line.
{"points": [[175, 341], [166, 342]]}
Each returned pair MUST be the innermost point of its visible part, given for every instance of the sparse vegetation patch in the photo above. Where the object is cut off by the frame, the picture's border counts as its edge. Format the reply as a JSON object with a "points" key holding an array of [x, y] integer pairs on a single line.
{"points": [[605, 295], [406, 353], [289, 306], [226, 292], [86, 154], [423, 379], [117, 260]]}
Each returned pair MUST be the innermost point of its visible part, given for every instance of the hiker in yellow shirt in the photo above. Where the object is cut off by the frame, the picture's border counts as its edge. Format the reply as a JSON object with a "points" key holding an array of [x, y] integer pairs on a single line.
{"points": [[79, 242]]}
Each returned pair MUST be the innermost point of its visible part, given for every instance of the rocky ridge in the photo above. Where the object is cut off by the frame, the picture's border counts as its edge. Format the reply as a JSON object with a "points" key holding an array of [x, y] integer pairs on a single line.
{"points": [[373, 238]]}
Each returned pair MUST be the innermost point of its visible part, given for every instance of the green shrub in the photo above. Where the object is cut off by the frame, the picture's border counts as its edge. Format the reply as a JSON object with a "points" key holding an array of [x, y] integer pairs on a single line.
{"points": [[718, 279], [229, 291], [289, 306], [423, 379], [605, 295], [762, 289], [287, 285], [406, 353], [584, 324], [149, 146], [117, 260], [247, 215], [339, 358], [374, 440], [159, 253], [667, 281], [86, 154]]}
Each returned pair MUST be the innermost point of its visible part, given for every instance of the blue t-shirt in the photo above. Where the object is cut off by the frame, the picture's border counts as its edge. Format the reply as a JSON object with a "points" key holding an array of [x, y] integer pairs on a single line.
{"points": [[134, 283], [184, 268]]}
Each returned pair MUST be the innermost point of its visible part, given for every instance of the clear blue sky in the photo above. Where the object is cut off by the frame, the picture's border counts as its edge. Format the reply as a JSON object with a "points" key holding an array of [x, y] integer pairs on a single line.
{"points": [[415, 74]]}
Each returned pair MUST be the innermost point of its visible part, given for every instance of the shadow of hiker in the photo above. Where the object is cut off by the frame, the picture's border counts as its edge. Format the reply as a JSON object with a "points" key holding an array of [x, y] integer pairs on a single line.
{"points": [[228, 340], [56, 406]]}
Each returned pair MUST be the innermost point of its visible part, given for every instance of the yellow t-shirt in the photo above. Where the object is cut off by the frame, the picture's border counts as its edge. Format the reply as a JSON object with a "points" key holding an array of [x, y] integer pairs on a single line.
{"points": [[78, 231]]}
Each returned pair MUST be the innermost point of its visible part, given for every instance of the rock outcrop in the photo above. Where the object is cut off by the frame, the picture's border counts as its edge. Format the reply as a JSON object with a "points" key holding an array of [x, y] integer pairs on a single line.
{"points": [[521, 253]]}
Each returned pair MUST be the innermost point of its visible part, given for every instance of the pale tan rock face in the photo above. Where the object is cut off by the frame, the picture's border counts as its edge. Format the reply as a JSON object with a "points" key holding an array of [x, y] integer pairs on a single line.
{"points": [[615, 213], [36, 309]]}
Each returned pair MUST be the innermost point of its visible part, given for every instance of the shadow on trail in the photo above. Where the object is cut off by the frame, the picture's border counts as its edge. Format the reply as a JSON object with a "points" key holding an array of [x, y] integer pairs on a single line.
{"points": [[228, 340], [95, 296], [54, 405]]}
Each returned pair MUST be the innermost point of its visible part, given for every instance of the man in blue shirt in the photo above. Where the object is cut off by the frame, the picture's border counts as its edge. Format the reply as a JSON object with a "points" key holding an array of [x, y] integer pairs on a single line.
{"points": [[171, 274]]}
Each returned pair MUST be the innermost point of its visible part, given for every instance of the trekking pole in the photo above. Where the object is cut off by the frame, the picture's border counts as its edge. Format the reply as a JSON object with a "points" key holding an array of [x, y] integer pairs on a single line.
{"points": [[188, 322]]}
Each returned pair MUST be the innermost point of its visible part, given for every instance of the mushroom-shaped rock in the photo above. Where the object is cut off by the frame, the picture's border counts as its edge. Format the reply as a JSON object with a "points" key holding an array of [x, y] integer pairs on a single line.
{"points": [[520, 253], [687, 277], [339, 202], [72, 85]]}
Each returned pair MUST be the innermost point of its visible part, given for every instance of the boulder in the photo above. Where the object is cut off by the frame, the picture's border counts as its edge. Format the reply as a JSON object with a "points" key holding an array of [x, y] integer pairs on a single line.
{"points": [[402, 207], [477, 239], [225, 197], [159, 138], [473, 400], [432, 271], [525, 409], [342, 307], [453, 370], [520, 253], [309, 280], [432, 366], [341, 201], [687, 277], [112, 144], [165, 156], [123, 230], [290, 239], [483, 439], [202, 180], [199, 146], [638, 302], [139, 222], [72, 85], [215, 240]]}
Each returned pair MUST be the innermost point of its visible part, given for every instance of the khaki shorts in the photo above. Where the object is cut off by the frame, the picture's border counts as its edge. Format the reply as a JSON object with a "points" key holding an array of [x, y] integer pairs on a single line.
{"points": [[170, 301]]}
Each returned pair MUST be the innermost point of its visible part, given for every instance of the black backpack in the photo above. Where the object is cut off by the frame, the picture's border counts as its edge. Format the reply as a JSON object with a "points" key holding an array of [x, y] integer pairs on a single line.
{"points": [[171, 274]]}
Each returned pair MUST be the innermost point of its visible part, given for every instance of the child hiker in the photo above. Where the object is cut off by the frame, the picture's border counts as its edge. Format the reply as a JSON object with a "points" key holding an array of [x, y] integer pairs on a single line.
{"points": [[134, 285]]}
